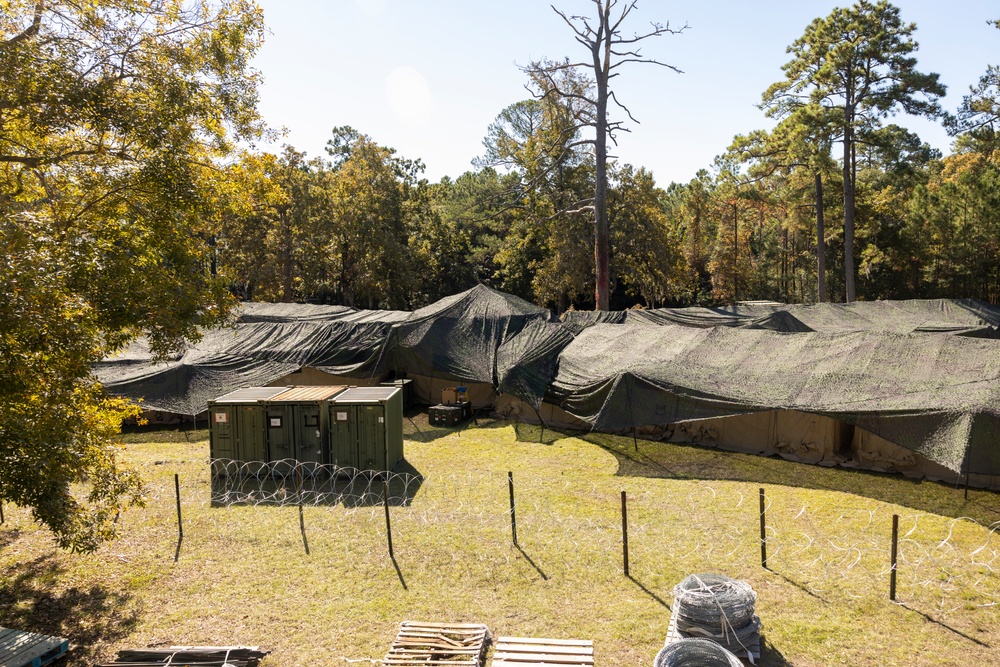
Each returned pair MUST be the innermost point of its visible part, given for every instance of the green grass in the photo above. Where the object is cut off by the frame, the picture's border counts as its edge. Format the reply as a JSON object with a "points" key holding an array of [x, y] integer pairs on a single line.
{"points": [[243, 574]]}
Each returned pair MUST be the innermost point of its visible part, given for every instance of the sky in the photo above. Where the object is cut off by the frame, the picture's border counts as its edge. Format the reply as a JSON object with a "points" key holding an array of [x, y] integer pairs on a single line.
{"points": [[427, 77]]}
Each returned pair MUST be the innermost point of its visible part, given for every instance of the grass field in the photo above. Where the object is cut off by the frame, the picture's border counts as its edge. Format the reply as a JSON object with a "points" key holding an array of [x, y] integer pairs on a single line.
{"points": [[319, 587]]}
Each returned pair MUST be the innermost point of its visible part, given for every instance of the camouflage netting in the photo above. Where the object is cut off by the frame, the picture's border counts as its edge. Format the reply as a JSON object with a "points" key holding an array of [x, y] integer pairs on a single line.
{"points": [[486, 336], [921, 374], [960, 316], [268, 342], [933, 393]]}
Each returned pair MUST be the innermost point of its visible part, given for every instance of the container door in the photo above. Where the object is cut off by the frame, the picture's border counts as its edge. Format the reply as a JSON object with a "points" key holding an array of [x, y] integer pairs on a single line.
{"points": [[371, 436], [280, 441], [220, 424], [343, 436], [309, 435], [250, 436]]}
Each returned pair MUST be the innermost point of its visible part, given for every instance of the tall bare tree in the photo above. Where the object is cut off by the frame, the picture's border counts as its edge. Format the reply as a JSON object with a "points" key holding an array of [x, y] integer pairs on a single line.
{"points": [[609, 49]]}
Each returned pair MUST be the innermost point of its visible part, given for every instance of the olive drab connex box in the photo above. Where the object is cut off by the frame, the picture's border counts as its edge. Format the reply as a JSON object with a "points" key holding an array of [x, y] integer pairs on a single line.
{"points": [[366, 428], [237, 427], [271, 425], [297, 425]]}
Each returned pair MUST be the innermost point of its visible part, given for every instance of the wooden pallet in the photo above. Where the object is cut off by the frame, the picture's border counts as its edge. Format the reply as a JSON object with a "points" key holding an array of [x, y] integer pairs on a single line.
{"points": [[429, 644], [29, 649], [750, 653], [537, 652]]}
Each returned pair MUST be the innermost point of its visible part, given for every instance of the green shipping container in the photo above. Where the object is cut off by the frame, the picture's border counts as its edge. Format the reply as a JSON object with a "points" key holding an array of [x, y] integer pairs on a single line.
{"points": [[236, 424], [297, 424], [366, 428]]}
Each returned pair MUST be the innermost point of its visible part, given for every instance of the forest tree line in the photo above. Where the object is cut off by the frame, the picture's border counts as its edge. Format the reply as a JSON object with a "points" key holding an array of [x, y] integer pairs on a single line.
{"points": [[359, 226]]}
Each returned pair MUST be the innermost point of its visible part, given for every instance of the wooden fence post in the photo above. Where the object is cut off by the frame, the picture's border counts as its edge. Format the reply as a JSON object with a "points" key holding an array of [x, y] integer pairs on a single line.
{"points": [[763, 531], [625, 533], [388, 526], [892, 568], [177, 492], [513, 515]]}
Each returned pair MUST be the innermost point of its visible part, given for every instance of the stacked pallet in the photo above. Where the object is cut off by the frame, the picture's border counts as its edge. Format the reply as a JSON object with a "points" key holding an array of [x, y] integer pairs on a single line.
{"points": [[190, 656], [428, 644], [29, 649], [538, 652]]}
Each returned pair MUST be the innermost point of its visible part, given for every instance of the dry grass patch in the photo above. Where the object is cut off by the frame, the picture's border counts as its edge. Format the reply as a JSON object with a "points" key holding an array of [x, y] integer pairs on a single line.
{"points": [[243, 574]]}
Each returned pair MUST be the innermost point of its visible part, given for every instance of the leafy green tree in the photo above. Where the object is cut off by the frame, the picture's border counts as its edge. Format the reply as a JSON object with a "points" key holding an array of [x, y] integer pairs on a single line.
{"points": [[978, 115], [848, 71], [647, 259], [115, 116]]}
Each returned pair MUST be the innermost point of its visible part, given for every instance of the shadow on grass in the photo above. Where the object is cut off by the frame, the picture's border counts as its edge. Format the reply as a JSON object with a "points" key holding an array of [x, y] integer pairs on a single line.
{"points": [[88, 616], [770, 656], [947, 627], [329, 487], [532, 563], [689, 461], [648, 592], [399, 573]]}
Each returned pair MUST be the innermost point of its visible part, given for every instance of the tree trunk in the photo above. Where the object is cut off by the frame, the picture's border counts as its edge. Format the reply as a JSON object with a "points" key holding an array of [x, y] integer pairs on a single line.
{"points": [[849, 208], [602, 273], [820, 243]]}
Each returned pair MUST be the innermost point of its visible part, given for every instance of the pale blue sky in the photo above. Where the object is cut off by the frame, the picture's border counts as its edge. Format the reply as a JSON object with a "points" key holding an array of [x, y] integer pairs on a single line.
{"points": [[428, 76]]}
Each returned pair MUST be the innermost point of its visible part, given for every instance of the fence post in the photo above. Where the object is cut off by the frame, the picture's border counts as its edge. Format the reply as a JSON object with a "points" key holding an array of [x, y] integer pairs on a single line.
{"points": [[513, 515], [2, 520], [388, 526], [892, 568], [763, 531], [177, 492], [625, 533]]}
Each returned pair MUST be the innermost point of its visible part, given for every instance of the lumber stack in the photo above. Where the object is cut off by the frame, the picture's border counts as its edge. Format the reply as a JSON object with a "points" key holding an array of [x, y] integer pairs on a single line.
{"points": [[190, 656], [428, 644]]}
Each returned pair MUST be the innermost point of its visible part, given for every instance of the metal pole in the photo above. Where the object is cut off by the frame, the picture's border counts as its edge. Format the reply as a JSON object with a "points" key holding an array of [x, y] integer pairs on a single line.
{"points": [[966, 484], [388, 526], [177, 491], [763, 531], [624, 532], [892, 568], [513, 515], [1, 513]]}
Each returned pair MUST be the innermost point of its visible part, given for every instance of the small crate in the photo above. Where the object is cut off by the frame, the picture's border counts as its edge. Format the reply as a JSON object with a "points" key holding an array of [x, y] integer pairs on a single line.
{"points": [[446, 415]]}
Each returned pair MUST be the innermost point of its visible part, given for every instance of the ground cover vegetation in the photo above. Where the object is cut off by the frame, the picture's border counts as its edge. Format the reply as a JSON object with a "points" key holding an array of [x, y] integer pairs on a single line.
{"points": [[130, 205], [318, 585]]}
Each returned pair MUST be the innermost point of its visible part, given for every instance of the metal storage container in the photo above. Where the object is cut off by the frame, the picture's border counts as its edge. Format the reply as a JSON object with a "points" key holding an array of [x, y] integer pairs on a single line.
{"points": [[297, 424], [366, 428], [236, 424], [406, 385]]}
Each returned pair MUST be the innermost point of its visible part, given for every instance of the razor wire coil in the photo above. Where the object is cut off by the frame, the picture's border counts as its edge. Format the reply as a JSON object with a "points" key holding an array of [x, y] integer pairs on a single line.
{"points": [[695, 653]]}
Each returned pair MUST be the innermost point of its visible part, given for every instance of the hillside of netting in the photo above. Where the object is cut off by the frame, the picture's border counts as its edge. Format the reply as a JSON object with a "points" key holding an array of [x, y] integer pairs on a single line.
{"points": [[919, 374], [966, 317], [937, 394]]}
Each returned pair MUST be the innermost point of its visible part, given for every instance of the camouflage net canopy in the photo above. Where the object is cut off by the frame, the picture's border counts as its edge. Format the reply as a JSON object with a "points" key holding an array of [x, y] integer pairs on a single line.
{"points": [[936, 394], [965, 317], [921, 374], [480, 335]]}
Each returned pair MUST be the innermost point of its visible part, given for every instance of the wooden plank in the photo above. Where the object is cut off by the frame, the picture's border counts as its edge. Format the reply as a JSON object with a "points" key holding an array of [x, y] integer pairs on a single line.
{"points": [[30, 649], [389, 661], [545, 657], [544, 648], [539, 640], [497, 662]]}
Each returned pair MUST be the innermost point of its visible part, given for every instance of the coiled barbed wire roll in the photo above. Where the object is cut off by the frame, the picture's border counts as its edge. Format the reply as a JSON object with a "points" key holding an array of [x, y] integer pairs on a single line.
{"points": [[714, 603], [695, 653]]}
